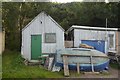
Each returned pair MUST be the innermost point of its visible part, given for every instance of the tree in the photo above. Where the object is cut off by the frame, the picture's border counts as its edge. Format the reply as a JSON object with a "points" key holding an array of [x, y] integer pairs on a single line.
{"points": [[18, 14]]}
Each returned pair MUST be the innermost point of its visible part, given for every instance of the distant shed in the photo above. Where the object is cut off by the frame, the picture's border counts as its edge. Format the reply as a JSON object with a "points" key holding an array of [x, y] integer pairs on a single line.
{"points": [[42, 35], [79, 34]]}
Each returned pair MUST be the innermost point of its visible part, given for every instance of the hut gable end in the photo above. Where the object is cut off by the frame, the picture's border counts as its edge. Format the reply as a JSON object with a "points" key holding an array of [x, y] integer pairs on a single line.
{"points": [[47, 31], [41, 18]]}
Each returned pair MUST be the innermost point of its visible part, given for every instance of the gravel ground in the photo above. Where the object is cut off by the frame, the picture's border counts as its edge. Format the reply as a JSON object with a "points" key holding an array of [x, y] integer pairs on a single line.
{"points": [[112, 73]]}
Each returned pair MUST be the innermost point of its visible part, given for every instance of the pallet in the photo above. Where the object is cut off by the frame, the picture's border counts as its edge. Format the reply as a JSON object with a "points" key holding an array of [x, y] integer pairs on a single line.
{"points": [[26, 62]]}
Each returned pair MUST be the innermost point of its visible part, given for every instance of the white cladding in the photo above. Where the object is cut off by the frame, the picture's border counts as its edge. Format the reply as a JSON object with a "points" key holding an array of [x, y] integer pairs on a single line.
{"points": [[90, 34], [40, 25]]}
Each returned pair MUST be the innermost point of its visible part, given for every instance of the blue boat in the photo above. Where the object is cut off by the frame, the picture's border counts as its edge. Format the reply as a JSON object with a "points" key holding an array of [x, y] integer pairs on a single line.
{"points": [[83, 57]]}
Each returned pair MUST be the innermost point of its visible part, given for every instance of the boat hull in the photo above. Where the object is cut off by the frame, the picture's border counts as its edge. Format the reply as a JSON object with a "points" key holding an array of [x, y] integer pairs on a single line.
{"points": [[85, 67], [83, 56]]}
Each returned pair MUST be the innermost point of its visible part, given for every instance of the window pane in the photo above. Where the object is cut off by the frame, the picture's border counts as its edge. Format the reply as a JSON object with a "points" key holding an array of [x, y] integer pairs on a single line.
{"points": [[111, 40], [50, 37]]}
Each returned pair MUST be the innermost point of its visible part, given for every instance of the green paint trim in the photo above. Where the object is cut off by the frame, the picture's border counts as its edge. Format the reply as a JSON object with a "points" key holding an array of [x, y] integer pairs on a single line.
{"points": [[36, 46]]}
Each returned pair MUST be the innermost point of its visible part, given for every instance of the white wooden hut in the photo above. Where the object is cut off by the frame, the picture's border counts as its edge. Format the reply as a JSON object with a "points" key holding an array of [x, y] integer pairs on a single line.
{"points": [[2, 40], [81, 33], [43, 35]]}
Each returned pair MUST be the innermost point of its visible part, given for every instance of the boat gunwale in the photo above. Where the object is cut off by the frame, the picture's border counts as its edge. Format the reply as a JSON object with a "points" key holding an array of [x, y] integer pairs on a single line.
{"points": [[77, 55]]}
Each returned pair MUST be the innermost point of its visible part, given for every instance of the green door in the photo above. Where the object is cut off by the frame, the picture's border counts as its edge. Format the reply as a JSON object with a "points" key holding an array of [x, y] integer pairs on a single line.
{"points": [[36, 51]]}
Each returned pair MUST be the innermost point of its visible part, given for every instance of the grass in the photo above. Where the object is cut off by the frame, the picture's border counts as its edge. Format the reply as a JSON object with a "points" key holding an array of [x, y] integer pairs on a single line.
{"points": [[0, 66], [13, 67], [115, 66]]}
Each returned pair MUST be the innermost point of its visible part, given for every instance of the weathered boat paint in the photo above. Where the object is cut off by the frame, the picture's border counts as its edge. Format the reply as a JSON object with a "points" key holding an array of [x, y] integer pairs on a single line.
{"points": [[101, 63]]}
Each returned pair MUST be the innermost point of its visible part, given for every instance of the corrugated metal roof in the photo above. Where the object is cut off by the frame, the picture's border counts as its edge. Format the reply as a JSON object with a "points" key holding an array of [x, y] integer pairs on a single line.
{"points": [[91, 28]]}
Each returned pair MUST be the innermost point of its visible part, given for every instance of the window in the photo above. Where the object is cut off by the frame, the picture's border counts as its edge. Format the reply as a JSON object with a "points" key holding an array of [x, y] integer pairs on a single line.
{"points": [[111, 41], [50, 37]]}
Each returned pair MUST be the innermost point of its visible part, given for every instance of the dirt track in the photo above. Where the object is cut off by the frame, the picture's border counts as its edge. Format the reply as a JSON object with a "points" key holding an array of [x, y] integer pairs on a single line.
{"points": [[112, 73]]}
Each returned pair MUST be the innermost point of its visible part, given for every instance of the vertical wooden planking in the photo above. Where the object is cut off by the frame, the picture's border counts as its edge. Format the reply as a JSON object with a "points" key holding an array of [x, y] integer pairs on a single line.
{"points": [[40, 25], [66, 69], [50, 63], [92, 35], [78, 68], [92, 66]]}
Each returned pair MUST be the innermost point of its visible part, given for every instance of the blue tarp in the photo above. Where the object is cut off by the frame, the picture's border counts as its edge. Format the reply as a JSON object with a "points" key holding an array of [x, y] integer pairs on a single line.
{"points": [[97, 44]]}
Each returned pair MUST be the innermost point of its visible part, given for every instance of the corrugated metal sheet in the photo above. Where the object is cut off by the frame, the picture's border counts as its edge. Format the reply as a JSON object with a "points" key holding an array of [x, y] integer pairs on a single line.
{"points": [[41, 25]]}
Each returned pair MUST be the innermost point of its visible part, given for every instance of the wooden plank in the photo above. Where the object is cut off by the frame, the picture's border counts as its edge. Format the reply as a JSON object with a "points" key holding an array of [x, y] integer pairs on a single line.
{"points": [[84, 62], [46, 62], [92, 63], [78, 68], [50, 63], [92, 73], [66, 70], [77, 55]]}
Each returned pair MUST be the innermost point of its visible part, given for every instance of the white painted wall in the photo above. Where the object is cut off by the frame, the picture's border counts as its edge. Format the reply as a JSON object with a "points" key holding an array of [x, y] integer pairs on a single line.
{"points": [[47, 26], [83, 34]]}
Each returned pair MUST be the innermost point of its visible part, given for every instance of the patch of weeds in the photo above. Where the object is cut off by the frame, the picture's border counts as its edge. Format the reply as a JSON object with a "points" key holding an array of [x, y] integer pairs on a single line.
{"points": [[73, 73], [13, 67], [104, 73], [18, 61], [115, 66]]}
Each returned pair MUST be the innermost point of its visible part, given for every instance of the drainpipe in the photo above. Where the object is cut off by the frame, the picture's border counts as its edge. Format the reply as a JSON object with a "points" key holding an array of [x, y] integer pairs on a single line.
{"points": [[73, 38], [106, 37]]}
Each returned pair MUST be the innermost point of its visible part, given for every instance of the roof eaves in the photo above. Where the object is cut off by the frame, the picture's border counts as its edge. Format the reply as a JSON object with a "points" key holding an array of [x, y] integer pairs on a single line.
{"points": [[56, 23], [69, 29], [32, 21], [48, 16], [94, 28]]}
